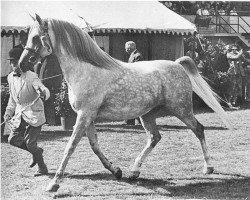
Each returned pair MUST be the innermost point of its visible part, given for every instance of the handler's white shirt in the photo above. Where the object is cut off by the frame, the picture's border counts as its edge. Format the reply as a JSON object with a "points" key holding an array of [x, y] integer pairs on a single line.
{"points": [[23, 91]]}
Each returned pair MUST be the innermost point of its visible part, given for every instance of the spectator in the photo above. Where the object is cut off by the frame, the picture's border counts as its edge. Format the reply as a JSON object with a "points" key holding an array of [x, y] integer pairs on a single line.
{"points": [[22, 40], [227, 9], [205, 11], [233, 11], [235, 73], [135, 56], [192, 46], [246, 65], [221, 11], [212, 10], [174, 8], [200, 66], [199, 10], [202, 19], [168, 4], [216, 8]]}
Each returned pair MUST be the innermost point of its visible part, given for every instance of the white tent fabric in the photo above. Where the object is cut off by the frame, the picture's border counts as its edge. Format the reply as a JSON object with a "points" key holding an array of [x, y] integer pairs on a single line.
{"points": [[113, 16], [6, 45]]}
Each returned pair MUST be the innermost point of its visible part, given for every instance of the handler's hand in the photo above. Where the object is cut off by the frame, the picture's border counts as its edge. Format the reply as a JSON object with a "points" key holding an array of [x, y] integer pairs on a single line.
{"points": [[42, 94], [7, 117]]}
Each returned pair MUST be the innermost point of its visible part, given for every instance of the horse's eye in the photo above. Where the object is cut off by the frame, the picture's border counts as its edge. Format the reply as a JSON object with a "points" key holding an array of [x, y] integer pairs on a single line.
{"points": [[36, 39]]}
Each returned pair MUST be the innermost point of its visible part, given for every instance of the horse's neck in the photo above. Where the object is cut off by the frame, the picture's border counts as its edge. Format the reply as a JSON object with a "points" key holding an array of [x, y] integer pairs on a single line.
{"points": [[75, 71]]}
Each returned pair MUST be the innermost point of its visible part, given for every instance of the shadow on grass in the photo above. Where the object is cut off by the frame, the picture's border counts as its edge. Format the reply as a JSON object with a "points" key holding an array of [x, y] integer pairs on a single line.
{"points": [[208, 188], [54, 135], [120, 128], [116, 128], [236, 187], [109, 128]]}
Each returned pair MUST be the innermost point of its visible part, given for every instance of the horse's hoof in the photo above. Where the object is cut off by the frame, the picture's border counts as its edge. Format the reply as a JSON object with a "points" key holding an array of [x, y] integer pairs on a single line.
{"points": [[118, 173], [52, 187], [134, 175], [208, 170]]}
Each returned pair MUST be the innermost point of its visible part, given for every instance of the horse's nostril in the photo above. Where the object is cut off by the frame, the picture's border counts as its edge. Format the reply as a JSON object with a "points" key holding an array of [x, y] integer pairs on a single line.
{"points": [[32, 59]]}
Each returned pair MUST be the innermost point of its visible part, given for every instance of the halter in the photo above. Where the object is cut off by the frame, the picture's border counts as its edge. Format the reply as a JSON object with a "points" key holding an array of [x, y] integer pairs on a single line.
{"points": [[46, 35]]}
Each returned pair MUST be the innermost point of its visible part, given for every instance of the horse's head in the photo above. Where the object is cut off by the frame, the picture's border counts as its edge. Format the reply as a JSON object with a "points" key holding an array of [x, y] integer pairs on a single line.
{"points": [[38, 43]]}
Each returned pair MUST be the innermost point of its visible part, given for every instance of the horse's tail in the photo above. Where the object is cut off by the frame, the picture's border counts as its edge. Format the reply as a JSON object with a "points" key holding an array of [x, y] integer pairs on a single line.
{"points": [[202, 89]]}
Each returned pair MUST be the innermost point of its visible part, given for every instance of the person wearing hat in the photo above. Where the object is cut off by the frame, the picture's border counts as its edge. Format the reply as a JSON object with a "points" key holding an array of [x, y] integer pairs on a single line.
{"points": [[235, 72], [25, 110], [134, 56]]}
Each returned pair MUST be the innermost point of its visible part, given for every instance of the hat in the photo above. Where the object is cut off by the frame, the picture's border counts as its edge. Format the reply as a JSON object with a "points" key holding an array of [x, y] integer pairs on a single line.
{"points": [[15, 53], [234, 46]]}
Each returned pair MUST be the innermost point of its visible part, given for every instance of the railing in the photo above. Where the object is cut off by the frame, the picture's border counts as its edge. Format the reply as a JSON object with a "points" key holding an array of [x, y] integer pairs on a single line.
{"points": [[228, 23]]}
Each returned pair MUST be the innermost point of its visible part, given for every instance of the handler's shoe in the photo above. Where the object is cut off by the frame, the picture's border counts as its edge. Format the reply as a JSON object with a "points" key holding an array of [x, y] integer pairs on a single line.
{"points": [[33, 160], [42, 168], [41, 171]]}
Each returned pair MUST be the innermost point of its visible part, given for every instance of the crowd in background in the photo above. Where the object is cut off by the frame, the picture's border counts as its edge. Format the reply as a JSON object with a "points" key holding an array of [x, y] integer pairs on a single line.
{"points": [[201, 7], [225, 66]]}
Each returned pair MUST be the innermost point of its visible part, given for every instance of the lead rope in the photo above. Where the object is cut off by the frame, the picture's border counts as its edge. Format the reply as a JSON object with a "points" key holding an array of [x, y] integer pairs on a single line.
{"points": [[24, 108], [34, 100]]}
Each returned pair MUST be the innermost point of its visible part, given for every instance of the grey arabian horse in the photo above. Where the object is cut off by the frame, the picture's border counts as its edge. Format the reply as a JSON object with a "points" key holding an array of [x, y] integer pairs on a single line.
{"points": [[101, 87]]}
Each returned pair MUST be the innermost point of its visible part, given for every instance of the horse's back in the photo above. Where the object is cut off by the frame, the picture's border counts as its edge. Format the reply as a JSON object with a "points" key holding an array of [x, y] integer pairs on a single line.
{"points": [[144, 86]]}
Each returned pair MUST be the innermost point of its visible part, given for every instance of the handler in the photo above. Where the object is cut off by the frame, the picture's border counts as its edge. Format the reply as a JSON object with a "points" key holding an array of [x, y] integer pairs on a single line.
{"points": [[25, 110]]}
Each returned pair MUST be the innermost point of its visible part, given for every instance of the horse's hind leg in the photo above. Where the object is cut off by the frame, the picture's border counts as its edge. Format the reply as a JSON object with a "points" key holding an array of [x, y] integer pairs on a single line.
{"points": [[198, 130], [92, 136], [153, 135]]}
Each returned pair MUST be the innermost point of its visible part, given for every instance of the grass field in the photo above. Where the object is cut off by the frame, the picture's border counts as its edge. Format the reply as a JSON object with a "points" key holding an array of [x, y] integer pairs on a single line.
{"points": [[172, 171]]}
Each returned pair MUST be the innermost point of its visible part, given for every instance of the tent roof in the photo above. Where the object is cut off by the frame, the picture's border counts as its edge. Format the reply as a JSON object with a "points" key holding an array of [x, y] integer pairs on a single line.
{"points": [[104, 16]]}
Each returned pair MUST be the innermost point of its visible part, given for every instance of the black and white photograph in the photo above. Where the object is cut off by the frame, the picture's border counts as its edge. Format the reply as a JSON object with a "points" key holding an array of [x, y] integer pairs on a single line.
{"points": [[138, 100]]}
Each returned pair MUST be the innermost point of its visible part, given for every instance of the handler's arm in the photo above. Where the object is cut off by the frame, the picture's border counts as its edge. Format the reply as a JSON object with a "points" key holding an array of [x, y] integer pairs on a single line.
{"points": [[40, 88]]}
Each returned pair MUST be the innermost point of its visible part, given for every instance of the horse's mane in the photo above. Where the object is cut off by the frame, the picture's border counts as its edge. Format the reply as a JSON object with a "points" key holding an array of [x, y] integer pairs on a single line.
{"points": [[78, 44]]}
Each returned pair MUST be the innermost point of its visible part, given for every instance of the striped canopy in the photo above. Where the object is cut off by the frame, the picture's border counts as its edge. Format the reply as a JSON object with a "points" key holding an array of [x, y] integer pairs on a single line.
{"points": [[104, 16]]}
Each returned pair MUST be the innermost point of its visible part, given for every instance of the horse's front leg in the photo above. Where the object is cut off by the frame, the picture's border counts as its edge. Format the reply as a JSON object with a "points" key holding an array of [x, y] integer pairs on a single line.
{"points": [[82, 122], [91, 133]]}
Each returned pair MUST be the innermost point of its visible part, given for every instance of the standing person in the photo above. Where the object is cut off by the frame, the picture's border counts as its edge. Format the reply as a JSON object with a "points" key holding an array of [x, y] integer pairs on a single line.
{"points": [[22, 40], [235, 72], [50, 73], [25, 110], [192, 51], [246, 65], [135, 56], [21, 45]]}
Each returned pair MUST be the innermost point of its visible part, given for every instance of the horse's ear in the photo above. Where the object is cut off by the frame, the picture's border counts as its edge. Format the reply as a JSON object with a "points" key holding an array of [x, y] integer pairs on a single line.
{"points": [[38, 18], [32, 17]]}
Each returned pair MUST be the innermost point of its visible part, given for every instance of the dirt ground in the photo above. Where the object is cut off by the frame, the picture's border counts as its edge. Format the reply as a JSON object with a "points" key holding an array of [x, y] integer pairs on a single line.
{"points": [[172, 171]]}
